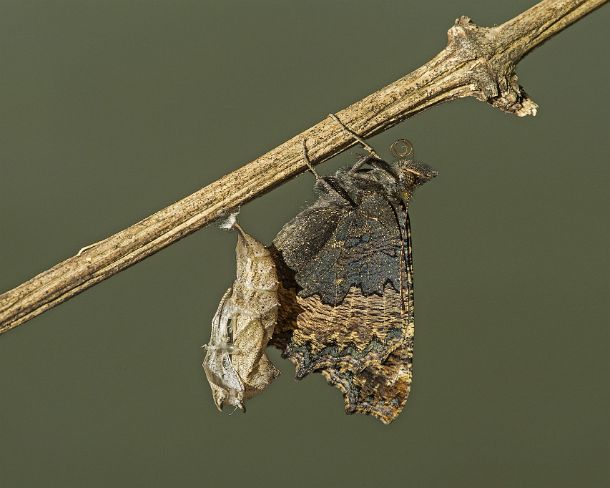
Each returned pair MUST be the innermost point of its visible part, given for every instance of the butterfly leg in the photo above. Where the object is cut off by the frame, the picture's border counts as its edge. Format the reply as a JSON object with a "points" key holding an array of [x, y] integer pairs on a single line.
{"points": [[322, 182], [369, 149], [355, 167], [361, 162], [308, 162]]}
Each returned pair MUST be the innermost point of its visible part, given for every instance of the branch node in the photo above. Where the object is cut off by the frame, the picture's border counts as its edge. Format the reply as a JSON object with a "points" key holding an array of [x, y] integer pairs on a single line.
{"points": [[491, 71]]}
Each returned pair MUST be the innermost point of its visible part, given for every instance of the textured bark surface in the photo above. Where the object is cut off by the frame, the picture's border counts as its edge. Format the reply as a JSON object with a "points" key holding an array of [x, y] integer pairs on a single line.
{"points": [[477, 62]]}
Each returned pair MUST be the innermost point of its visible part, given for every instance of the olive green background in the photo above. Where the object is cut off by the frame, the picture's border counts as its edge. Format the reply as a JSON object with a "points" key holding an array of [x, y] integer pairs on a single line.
{"points": [[110, 110]]}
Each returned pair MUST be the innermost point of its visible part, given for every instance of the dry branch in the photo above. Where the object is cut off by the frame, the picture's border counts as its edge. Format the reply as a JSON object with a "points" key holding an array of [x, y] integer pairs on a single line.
{"points": [[477, 62]]}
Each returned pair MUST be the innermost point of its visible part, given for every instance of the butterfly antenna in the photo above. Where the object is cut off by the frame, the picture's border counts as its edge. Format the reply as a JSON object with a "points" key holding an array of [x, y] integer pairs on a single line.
{"points": [[369, 149]]}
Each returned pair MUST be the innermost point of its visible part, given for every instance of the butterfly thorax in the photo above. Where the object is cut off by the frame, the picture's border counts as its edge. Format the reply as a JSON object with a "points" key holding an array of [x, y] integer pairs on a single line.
{"points": [[395, 182]]}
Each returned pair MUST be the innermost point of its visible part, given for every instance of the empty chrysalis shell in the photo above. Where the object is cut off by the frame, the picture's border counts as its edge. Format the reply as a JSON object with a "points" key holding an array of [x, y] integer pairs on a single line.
{"points": [[235, 363]]}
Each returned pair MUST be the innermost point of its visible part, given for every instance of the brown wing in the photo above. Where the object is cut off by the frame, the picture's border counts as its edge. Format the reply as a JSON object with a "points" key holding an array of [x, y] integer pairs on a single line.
{"points": [[364, 345], [383, 387]]}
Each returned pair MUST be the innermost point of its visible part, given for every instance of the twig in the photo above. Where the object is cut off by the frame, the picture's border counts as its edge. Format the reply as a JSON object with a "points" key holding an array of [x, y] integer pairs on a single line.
{"points": [[477, 62]]}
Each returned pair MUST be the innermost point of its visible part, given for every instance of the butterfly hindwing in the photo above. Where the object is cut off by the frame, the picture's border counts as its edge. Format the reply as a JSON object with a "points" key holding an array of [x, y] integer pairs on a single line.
{"points": [[383, 387]]}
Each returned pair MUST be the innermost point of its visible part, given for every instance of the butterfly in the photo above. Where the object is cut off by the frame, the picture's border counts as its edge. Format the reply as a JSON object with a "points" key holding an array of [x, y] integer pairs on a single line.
{"points": [[346, 280]]}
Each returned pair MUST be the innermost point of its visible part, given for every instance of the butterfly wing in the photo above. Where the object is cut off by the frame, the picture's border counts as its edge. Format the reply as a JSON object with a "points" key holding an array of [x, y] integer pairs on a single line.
{"points": [[383, 387], [344, 305]]}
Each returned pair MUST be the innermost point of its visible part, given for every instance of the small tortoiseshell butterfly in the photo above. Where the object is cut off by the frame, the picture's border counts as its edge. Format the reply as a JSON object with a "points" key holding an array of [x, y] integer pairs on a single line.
{"points": [[346, 275]]}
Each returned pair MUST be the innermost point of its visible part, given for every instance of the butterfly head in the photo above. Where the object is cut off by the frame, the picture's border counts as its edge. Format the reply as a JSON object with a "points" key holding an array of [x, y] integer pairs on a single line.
{"points": [[411, 174]]}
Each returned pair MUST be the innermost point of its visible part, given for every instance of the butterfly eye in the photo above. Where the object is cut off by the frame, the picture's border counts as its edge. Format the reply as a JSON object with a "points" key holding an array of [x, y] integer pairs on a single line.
{"points": [[402, 149]]}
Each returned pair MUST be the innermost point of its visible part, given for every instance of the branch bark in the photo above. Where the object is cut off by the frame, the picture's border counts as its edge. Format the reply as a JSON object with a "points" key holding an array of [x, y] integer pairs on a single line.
{"points": [[477, 62]]}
